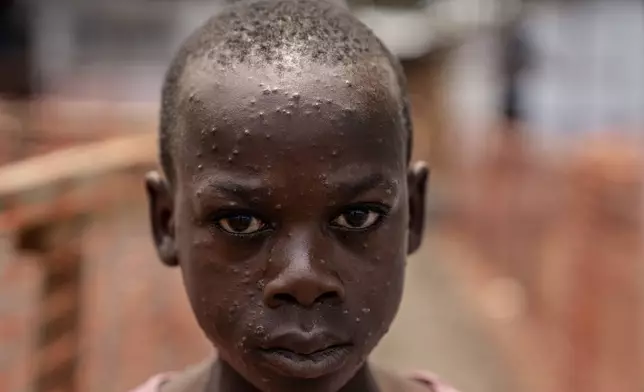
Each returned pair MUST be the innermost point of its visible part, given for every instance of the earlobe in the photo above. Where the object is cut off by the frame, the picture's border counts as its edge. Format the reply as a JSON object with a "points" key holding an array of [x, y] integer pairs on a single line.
{"points": [[417, 179], [161, 218]]}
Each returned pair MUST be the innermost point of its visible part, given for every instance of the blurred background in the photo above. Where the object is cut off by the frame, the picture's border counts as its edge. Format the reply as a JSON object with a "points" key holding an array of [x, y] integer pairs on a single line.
{"points": [[531, 114]]}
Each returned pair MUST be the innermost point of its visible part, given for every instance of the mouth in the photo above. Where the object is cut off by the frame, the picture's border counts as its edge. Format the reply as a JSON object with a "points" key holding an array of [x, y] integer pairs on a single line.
{"points": [[309, 364]]}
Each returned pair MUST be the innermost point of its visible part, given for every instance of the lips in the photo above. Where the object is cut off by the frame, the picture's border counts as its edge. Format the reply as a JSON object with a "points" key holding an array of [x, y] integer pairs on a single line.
{"points": [[305, 354]]}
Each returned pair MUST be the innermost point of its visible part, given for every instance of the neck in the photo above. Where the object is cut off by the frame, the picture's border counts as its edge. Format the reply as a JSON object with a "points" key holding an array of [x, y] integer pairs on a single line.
{"points": [[362, 381], [224, 378]]}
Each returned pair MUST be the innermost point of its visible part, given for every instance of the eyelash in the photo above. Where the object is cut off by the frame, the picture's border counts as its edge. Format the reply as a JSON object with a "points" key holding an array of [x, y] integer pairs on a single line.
{"points": [[220, 216], [381, 209]]}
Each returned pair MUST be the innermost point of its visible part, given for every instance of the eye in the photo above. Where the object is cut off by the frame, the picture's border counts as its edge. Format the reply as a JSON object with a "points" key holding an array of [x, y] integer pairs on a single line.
{"points": [[358, 218], [241, 224]]}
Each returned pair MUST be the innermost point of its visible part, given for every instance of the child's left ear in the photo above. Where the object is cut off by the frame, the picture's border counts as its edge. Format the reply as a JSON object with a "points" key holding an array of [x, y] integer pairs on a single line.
{"points": [[417, 178]]}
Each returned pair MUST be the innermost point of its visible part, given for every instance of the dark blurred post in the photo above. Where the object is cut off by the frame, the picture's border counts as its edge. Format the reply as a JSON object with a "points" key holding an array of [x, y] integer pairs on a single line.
{"points": [[515, 59], [57, 243], [15, 46], [15, 74]]}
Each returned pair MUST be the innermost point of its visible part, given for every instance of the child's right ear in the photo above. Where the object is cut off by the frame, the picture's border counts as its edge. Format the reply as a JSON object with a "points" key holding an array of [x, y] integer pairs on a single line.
{"points": [[162, 217]]}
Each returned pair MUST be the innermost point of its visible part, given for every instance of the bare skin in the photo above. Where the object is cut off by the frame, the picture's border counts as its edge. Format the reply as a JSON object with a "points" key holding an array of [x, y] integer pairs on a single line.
{"points": [[291, 215]]}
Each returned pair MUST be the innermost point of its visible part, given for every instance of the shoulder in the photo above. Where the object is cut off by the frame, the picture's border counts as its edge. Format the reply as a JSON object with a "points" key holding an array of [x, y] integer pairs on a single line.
{"points": [[153, 384], [192, 379], [431, 381]]}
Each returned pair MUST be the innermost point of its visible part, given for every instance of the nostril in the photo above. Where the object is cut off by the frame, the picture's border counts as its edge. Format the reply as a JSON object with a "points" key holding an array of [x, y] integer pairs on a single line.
{"points": [[284, 298], [328, 296], [288, 299]]}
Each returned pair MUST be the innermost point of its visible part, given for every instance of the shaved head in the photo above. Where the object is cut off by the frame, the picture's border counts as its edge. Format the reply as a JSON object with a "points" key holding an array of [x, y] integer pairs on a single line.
{"points": [[284, 35]]}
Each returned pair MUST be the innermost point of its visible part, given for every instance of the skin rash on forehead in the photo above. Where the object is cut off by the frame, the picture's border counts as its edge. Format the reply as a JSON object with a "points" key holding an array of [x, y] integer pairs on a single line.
{"points": [[242, 98], [290, 220], [247, 122]]}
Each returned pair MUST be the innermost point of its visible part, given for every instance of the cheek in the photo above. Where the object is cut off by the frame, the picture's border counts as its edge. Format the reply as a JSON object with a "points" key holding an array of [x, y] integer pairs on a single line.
{"points": [[379, 285], [225, 313], [373, 316], [384, 297], [388, 279], [222, 280], [216, 306], [220, 291]]}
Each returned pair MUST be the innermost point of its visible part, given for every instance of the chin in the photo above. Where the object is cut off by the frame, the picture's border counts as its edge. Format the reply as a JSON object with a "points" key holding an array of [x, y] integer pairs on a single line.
{"points": [[330, 382], [283, 374]]}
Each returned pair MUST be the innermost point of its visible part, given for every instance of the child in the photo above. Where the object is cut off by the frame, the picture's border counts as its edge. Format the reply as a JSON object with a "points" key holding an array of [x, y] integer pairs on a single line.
{"points": [[288, 200]]}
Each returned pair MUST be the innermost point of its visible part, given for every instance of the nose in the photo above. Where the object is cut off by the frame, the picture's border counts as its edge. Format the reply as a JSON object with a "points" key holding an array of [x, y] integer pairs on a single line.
{"points": [[303, 286], [303, 282]]}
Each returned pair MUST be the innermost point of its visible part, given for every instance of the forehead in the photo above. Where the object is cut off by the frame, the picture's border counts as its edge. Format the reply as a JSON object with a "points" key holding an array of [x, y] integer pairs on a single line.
{"points": [[315, 118], [357, 86]]}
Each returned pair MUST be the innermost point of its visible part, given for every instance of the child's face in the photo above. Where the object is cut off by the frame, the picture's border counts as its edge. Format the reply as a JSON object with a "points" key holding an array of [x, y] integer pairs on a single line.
{"points": [[291, 218]]}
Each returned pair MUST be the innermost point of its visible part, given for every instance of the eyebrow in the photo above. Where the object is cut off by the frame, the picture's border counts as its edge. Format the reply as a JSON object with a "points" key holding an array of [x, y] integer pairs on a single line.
{"points": [[233, 184], [348, 186], [244, 187]]}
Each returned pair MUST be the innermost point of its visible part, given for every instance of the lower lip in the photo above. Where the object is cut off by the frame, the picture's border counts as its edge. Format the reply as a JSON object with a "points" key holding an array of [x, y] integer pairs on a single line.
{"points": [[313, 365]]}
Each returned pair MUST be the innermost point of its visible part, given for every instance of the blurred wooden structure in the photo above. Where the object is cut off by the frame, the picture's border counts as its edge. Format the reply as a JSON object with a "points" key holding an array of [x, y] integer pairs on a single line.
{"points": [[551, 251], [45, 201]]}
